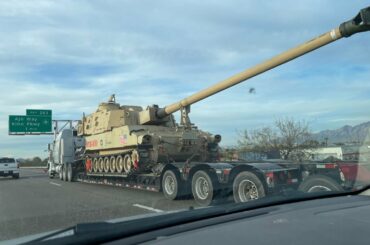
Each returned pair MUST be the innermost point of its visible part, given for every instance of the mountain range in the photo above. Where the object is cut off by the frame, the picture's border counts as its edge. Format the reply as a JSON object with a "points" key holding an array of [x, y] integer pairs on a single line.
{"points": [[345, 134]]}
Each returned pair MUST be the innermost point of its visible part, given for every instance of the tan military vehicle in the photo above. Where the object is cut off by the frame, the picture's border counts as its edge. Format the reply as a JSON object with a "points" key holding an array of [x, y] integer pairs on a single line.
{"points": [[121, 138]]}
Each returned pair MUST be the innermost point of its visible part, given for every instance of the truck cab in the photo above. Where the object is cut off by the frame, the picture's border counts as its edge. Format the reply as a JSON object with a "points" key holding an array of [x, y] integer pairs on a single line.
{"points": [[62, 150]]}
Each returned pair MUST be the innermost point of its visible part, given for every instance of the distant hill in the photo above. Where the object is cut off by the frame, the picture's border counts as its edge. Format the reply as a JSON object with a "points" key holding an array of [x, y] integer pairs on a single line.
{"points": [[345, 134]]}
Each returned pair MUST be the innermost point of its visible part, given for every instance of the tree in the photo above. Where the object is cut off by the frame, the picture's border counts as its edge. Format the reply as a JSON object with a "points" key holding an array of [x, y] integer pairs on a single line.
{"points": [[287, 138], [36, 160], [265, 141]]}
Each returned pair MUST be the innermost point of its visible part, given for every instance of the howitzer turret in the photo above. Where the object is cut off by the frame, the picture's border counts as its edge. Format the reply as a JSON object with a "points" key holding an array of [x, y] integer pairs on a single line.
{"points": [[120, 138]]}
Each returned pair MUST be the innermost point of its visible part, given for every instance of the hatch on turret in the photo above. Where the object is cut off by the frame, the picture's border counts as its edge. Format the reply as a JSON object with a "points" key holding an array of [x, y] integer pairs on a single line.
{"points": [[108, 116]]}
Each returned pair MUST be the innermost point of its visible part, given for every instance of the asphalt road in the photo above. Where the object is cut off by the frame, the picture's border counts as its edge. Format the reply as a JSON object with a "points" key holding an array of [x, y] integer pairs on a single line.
{"points": [[34, 203]]}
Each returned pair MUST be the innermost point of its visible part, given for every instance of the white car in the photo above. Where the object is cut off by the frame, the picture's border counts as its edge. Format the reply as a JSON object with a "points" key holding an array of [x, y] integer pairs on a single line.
{"points": [[9, 167]]}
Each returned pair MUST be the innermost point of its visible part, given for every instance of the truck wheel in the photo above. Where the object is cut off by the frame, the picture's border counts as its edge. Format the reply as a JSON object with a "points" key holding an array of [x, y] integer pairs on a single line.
{"points": [[61, 173], [15, 176], [319, 183], [65, 172], [246, 187], [202, 188], [171, 185], [69, 173], [51, 176]]}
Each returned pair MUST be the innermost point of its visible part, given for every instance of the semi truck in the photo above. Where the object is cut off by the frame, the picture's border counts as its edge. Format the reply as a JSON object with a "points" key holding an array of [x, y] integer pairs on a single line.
{"points": [[145, 148]]}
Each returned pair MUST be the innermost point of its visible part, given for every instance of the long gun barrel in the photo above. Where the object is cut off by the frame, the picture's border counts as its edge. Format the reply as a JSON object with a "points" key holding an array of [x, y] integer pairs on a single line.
{"points": [[360, 23]]}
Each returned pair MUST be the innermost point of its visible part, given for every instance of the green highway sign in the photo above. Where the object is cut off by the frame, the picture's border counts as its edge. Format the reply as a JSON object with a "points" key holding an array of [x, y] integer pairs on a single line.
{"points": [[44, 113], [30, 124]]}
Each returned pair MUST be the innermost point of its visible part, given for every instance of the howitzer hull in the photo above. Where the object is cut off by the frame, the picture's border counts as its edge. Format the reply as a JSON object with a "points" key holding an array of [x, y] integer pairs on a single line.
{"points": [[139, 147]]}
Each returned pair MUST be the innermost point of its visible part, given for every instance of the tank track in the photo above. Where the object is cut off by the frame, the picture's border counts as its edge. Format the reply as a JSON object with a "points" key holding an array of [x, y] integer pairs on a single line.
{"points": [[123, 163]]}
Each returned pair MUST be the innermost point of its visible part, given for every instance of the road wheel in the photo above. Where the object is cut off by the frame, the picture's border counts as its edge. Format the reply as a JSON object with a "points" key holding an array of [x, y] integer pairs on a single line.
{"points": [[112, 164], [246, 187], [15, 176], [106, 164], [127, 163], [69, 173], [171, 185], [119, 163], [101, 164], [95, 165], [202, 188], [319, 183], [65, 170]]}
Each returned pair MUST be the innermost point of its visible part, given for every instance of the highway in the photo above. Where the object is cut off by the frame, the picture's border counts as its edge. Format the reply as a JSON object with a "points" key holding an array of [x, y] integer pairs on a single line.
{"points": [[34, 203]]}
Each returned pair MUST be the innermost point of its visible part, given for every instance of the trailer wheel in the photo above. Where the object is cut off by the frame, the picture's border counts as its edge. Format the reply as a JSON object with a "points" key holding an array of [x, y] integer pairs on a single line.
{"points": [[202, 188], [69, 173], [171, 186], [246, 187], [319, 183]]}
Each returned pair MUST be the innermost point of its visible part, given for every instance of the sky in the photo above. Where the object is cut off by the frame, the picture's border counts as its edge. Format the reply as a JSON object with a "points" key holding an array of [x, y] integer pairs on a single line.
{"points": [[68, 56]]}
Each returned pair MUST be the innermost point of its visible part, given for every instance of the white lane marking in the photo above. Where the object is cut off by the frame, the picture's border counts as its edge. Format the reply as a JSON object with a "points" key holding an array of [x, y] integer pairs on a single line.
{"points": [[53, 183], [148, 208]]}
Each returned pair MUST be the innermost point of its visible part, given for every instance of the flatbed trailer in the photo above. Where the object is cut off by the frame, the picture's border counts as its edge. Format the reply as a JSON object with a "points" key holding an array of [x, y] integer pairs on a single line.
{"points": [[208, 183], [211, 182]]}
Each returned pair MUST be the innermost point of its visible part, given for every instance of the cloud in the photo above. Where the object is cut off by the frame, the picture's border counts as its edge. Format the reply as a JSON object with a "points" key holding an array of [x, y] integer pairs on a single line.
{"points": [[69, 57]]}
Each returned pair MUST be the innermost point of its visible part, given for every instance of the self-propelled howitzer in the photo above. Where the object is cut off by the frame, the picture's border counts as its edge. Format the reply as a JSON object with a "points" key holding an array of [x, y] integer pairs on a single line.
{"points": [[120, 138]]}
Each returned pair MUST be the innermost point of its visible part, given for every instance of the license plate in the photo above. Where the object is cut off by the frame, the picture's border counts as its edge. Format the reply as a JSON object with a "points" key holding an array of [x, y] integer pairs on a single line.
{"points": [[6, 172]]}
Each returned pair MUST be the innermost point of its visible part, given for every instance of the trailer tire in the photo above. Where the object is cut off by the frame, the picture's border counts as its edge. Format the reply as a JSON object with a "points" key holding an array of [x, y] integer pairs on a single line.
{"points": [[69, 172], [246, 187], [171, 186], [319, 183], [203, 188]]}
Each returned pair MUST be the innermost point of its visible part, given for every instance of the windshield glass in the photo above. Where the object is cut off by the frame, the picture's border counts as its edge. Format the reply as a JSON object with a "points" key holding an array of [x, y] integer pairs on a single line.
{"points": [[114, 109], [7, 160]]}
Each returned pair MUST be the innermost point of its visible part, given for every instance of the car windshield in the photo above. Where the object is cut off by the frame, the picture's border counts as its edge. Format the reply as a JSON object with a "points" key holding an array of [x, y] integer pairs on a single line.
{"points": [[113, 109]]}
